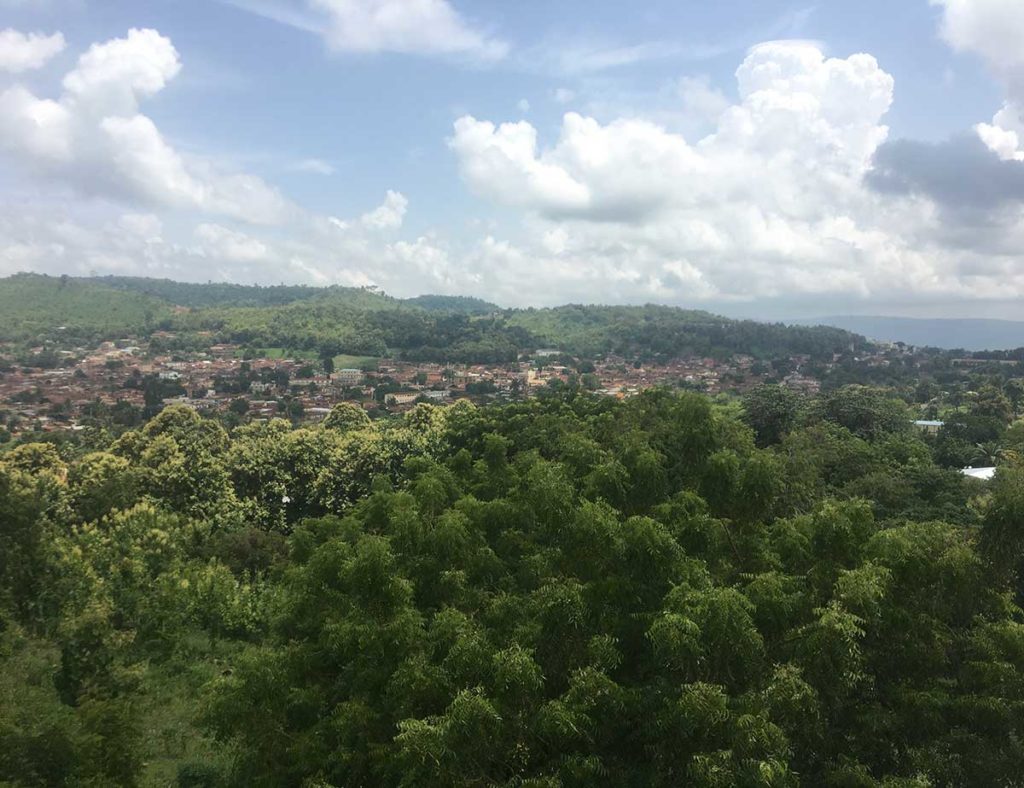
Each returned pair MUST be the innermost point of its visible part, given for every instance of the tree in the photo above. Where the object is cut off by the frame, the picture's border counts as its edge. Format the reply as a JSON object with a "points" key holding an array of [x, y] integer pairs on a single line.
{"points": [[345, 416], [867, 413], [771, 411]]}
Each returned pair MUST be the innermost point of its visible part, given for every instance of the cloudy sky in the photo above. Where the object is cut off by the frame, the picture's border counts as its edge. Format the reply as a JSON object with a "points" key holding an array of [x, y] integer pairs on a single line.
{"points": [[757, 157]]}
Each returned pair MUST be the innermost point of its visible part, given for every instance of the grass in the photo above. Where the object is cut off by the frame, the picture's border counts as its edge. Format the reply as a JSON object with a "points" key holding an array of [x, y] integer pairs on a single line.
{"points": [[169, 705], [345, 361], [278, 353]]}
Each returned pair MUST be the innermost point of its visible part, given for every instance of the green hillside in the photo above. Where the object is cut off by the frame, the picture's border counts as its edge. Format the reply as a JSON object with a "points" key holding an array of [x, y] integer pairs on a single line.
{"points": [[466, 305], [664, 331], [33, 305], [209, 294], [366, 322]]}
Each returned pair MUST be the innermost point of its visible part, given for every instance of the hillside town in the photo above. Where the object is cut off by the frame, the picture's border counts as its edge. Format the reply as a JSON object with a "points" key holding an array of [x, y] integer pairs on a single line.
{"points": [[48, 389]]}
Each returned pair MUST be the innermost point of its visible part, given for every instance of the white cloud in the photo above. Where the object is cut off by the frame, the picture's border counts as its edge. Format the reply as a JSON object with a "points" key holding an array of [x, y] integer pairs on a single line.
{"points": [[578, 58], [771, 204], [700, 99], [314, 166], [388, 215], [55, 238], [772, 195], [229, 245], [27, 51], [422, 27], [994, 30], [523, 105], [413, 27], [93, 137]]}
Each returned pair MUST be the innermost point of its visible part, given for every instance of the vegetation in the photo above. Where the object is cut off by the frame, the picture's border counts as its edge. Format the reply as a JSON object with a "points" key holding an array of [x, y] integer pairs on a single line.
{"points": [[327, 322], [35, 306], [568, 591], [662, 333]]}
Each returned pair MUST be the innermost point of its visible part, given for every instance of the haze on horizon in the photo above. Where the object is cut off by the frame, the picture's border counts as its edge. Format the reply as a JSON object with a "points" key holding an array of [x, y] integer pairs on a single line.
{"points": [[763, 159]]}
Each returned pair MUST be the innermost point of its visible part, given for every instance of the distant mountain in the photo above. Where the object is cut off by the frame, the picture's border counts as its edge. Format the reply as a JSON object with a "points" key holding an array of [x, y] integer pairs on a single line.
{"points": [[947, 333]]}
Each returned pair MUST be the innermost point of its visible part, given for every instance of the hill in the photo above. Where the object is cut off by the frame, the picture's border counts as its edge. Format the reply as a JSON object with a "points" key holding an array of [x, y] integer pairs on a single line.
{"points": [[946, 333], [33, 305], [195, 295], [365, 321], [662, 331], [467, 305]]}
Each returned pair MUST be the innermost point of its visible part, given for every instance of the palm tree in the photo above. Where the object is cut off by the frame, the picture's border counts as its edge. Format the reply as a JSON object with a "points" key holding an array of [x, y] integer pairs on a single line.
{"points": [[990, 454]]}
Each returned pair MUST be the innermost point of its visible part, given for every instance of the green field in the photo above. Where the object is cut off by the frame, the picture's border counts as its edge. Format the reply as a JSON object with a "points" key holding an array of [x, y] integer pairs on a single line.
{"points": [[277, 353], [344, 361]]}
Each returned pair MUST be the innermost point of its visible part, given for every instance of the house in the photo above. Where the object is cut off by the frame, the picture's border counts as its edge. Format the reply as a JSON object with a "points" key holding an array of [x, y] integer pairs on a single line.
{"points": [[927, 426], [985, 474], [347, 377], [401, 399]]}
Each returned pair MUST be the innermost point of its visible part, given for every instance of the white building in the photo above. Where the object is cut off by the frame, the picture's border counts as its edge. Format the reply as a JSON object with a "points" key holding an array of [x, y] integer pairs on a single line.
{"points": [[347, 377], [401, 399]]}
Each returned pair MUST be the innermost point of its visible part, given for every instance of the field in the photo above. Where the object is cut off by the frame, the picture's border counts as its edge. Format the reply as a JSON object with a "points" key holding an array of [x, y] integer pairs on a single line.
{"points": [[345, 361]]}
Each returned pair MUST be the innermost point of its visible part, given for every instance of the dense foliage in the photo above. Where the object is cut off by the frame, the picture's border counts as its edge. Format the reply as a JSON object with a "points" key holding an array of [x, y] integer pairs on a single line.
{"points": [[565, 592], [35, 306], [663, 333], [364, 322]]}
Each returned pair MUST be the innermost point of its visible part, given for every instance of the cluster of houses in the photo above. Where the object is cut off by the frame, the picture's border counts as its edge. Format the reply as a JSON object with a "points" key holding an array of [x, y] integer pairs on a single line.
{"points": [[218, 379]]}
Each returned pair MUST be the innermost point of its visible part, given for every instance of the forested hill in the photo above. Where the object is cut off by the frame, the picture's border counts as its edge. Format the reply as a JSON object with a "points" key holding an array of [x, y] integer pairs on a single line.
{"points": [[210, 294], [365, 321], [664, 331], [464, 304], [35, 306]]}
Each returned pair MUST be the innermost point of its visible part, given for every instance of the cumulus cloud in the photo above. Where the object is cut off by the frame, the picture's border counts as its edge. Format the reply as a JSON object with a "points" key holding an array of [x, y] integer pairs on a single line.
{"points": [[388, 215], [793, 101], [962, 175], [990, 28], [27, 51], [55, 238], [993, 30], [790, 191], [794, 194], [94, 138], [230, 245]]}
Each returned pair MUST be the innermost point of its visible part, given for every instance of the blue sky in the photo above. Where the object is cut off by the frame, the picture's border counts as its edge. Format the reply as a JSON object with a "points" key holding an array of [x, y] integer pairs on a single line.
{"points": [[662, 153]]}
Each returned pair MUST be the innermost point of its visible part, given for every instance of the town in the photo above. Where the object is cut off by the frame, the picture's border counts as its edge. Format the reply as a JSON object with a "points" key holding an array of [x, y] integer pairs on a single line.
{"points": [[46, 389]]}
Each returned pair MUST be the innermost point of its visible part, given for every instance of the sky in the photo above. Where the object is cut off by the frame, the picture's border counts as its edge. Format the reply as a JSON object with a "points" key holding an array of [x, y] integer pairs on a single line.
{"points": [[760, 158]]}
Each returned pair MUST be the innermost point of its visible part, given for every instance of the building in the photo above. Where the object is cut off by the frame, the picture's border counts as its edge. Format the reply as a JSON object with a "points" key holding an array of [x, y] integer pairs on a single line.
{"points": [[928, 426], [985, 474], [401, 399], [347, 377]]}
